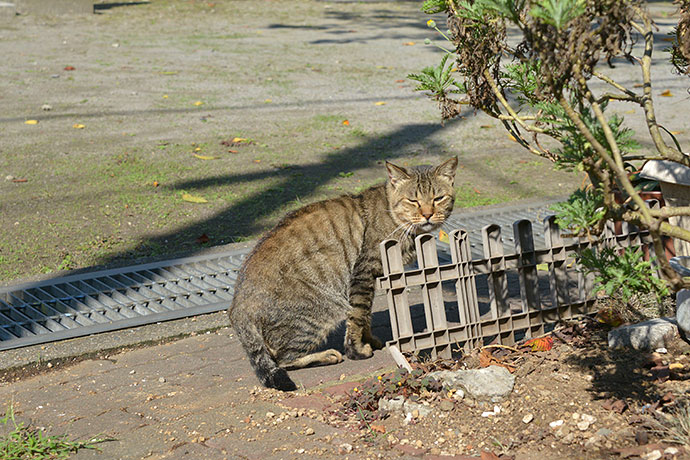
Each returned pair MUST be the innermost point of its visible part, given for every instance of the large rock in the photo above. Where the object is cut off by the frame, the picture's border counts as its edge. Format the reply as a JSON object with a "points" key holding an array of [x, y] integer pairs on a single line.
{"points": [[683, 311], [491, 383], [647, 335]]}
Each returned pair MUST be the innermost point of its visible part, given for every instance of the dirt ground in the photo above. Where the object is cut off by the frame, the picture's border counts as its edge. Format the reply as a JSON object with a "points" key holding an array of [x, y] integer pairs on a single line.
{"points": [[577, 400]]}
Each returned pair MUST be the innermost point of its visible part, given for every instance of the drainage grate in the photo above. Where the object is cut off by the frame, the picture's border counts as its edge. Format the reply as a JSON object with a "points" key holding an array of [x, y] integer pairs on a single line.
{"points": [[91, 303]]}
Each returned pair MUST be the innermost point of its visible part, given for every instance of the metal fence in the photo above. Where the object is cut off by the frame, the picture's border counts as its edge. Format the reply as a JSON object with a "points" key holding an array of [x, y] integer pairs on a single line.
{"points": [[499, 298]]}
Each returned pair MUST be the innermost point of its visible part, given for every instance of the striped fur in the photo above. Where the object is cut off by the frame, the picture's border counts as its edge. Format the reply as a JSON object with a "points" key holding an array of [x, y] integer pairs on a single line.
{"points": [[317, 268]]}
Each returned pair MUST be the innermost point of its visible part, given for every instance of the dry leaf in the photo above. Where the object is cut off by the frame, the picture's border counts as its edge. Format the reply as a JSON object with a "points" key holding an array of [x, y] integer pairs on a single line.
{"points": [[233, 151], [668, 39], [443, 237], [666, 93], [512, 138], [205, 157], [239, 140], [400, 81], [346, 123], [380, 103], [268, 101], [486, 455], [78, 126], [543, 267], [203, 239], [675, 133], [155, 183], [31, 122], [378, 428], [19, 181], [675, 366], [540, 344], [408, 44], [69, 67], [193, 199], [198, 103]]}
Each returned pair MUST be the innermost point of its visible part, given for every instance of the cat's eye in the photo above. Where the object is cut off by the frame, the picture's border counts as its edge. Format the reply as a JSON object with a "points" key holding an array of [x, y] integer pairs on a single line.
{"points": [[438, 199], [415, 202]]}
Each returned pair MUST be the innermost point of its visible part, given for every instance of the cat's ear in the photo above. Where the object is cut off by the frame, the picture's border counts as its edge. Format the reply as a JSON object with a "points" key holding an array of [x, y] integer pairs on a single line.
{"points": [[396, 174], [447, 169]]}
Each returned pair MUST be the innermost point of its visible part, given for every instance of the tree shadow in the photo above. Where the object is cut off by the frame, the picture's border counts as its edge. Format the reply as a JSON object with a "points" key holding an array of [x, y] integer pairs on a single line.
{"points": [[290, 185]]}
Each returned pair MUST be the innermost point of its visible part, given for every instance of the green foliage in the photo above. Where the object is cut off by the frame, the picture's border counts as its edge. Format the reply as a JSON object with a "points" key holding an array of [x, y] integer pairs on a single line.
{"points": [[364, 400], [28, 443], [434, 6], [622, 273], [575, 148], [558, 13], [522, 78], [583, 210], [437, 80]]}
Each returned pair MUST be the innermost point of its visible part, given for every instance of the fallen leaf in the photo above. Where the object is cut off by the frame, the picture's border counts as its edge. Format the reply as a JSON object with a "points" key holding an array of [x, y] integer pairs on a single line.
{"points": [[408, 44], [486, 126], [203, 239], [668, 39], [268, 101], [198, 103], [638, 85], [193, 199], [609, 317], [675, 366], [617, 405], [443, 237], [346, 122], [486, 359], [512, 138], [543, 267], [233, 151], [78, 126], [165, 96], [666, 93], [20, 180], [205, 157], [380, 103], [540, 344], [155, 183], [378, 428], [237, 140], [675, 133], [198, 149], [486, 455], [476, 191], [69, 68], [400, 81], [257, 161], [31, 122]]}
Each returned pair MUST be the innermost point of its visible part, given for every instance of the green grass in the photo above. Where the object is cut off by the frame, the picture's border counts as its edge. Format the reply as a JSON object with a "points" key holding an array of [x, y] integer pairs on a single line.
{"points": [[23, 442], [469, 197]]}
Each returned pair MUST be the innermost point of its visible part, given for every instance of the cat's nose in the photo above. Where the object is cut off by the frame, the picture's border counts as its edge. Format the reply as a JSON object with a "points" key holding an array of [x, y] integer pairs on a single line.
{"points": [[427, 215]]}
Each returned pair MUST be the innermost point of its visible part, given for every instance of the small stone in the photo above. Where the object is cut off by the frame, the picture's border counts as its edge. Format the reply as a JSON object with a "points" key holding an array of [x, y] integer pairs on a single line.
{"points": [[576, 416], [161, 379], [653, 455], [527, 418], [419, 444], [300, 451], [661, 350], [671, 451], [458, 395], [583, 425], [46, 107], [588, 418], [556, 423], [132, 372], [392, 405], [309, 431], [604, 432], [270, 414], [345, 448], [568, 438], [9, 177], [50, 365], [446, 406]]}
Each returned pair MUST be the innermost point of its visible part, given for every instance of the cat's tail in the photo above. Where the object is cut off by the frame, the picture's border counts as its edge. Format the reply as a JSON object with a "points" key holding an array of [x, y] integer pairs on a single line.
{"points": [[265, 367]]}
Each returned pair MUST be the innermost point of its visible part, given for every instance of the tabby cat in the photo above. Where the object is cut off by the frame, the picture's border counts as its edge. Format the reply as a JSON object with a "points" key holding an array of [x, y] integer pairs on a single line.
{"points": [[318, 267]]}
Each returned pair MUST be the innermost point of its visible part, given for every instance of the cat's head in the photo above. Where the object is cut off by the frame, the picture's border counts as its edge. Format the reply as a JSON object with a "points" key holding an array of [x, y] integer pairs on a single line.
{"points": [[421, 198]]}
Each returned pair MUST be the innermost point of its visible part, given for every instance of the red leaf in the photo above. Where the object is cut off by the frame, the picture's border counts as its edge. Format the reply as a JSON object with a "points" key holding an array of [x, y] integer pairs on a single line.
{"points": [[203, 239], [540, 344], [69, 67]]}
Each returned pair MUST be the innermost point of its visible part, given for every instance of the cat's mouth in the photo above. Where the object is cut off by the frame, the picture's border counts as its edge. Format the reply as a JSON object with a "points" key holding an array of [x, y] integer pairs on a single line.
{"points": [[427, 227]]}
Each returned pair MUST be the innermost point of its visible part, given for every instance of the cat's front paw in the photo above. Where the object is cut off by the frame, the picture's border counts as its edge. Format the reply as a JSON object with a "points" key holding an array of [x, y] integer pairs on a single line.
{"points": [[362, 352]]}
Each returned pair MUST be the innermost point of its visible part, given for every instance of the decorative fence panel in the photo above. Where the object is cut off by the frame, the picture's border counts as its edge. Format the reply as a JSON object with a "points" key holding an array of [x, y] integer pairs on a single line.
{"points": [[502, 297]]}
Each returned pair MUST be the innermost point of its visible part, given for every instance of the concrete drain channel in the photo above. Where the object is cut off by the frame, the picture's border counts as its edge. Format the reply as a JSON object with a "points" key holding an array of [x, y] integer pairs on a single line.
{"points": [[107, 300]]}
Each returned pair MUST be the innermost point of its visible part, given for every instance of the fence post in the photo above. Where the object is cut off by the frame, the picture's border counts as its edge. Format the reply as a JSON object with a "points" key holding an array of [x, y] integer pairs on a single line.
{"points": [[432, 291], [465, 287], [558, 279], [498, 283], [398, 302], [527, 265]]}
